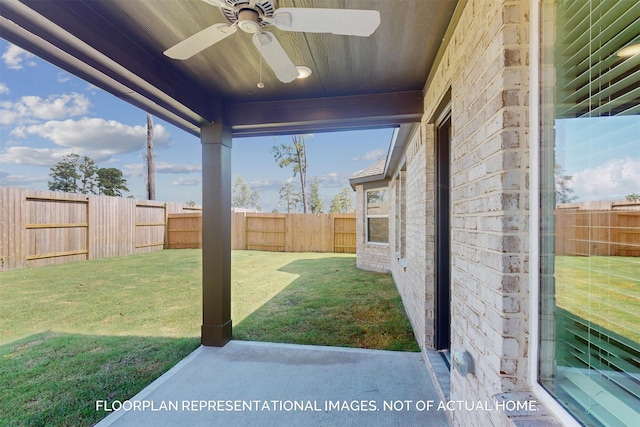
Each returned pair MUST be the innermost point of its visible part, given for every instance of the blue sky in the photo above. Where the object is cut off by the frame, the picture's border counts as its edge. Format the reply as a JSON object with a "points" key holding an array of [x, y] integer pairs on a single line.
{"points": [[47, 113], [602, 154]]}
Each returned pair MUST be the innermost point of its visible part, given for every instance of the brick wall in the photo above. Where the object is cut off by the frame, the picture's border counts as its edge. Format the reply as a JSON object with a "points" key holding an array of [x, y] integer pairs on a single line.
{"points": [[486, 67], [413, 272]]}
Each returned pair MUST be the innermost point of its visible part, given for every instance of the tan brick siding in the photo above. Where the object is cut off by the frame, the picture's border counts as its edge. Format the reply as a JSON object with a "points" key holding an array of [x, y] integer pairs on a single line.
{"points": [[485, 66]]}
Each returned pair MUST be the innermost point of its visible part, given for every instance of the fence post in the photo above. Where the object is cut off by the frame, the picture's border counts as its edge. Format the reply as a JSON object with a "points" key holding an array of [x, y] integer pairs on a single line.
{"points": [[89, 228]]}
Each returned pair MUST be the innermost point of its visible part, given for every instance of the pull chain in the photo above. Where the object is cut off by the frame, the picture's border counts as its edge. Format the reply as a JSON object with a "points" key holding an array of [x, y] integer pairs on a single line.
{"points": [[260, 84]]}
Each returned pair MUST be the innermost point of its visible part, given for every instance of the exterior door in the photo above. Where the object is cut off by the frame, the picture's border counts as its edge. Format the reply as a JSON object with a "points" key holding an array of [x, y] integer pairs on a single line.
{"points": [[443, 236]]}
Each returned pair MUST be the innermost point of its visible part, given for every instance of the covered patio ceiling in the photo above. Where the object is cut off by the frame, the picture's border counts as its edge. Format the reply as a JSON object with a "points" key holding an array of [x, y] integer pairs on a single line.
{"points": [[356, 82]]}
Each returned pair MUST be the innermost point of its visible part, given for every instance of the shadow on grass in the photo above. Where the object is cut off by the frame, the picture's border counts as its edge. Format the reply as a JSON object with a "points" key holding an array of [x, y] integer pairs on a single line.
{"points": [[55, 379], [332, 303]]}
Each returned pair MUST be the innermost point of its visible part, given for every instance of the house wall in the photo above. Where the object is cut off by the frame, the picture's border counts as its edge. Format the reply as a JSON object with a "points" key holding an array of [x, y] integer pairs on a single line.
{"points": [[484, 71], [412, 268], [486, 67]]}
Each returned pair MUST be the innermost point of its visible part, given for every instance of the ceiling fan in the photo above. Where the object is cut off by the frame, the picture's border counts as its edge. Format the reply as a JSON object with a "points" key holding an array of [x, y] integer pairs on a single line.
{"points": [[252, 16]]}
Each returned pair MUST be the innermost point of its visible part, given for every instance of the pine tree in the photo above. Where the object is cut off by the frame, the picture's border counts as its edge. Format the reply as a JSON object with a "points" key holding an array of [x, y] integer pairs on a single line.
{"points": [[243, 197], [316, 204], [289, 197], [342, 202], [74, 174], [294, 155]]}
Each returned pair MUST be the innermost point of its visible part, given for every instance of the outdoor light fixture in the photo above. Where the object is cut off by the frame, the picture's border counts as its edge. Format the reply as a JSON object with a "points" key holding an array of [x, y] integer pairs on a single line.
{"points": [[631, 49], [303, 72], [463, 362]]}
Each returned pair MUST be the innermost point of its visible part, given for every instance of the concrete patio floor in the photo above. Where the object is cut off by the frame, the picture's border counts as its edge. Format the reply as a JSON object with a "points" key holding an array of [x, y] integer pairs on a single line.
{"points": [[267, 384]]}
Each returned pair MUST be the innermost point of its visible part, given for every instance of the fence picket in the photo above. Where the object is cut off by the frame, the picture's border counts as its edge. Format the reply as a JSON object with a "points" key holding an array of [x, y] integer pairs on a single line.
{"points": [[272, 232]]}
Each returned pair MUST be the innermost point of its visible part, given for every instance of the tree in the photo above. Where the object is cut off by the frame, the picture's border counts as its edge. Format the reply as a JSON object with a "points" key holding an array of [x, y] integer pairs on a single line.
{"points": [[111, 182], [633, 197], [190, 203], [294, 155], [342, 202], [316, 204], [564, 193], [289, 197], [88, 176], [65, 175], [151, 167], [243, 197], [74, 174]]}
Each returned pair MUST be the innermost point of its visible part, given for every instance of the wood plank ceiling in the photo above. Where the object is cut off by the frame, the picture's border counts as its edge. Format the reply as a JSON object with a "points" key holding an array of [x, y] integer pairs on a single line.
{"points": [[118, 45]]}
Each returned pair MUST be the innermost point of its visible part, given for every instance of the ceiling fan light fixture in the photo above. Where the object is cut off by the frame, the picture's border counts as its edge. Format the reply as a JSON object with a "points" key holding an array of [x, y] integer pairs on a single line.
{"points": [[248, 21], [303, 72]]}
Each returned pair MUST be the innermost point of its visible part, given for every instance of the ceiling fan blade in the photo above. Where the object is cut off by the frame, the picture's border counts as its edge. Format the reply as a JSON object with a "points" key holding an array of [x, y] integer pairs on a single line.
{"points": [[200, 41], [220, 3], [274, 55], [348, 22]]}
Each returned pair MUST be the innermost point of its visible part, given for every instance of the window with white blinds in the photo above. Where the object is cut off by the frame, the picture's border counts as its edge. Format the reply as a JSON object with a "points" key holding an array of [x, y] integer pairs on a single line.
{"points": [[589, 343]]}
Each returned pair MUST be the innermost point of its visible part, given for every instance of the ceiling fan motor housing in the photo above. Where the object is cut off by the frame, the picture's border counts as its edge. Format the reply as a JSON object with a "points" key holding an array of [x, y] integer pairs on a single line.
{"points": [[248, 21], [249, 14]]}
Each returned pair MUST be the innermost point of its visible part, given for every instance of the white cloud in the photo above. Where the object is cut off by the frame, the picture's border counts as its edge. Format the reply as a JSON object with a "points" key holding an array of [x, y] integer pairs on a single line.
{"points": [[371, 155], [330, 180], [139, 169], [4, 89], [21, 180], [33, 156], [94, 137], [265, 184], [163, 167], [14, 56], [29, 109], [334, 180], [187, 181], [611, 181], [134, 169], [63, 77]]}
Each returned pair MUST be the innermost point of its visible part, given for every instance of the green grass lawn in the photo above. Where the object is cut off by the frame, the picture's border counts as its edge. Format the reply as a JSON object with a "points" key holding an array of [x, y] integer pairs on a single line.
{"points": [[604, 290], [104, 329], [326, 301]]}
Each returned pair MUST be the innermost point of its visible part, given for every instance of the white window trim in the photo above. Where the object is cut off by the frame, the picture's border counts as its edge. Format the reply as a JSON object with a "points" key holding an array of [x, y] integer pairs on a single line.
{"points": [[541, 394], [367, 216]]}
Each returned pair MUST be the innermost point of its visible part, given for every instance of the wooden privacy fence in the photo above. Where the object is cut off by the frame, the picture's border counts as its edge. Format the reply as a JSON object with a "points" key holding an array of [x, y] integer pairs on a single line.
{"points": [[612, 230], [45, 227], [272, 232]]}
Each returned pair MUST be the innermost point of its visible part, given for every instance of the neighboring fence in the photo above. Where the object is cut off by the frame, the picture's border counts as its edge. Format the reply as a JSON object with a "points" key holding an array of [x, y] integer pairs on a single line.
{"points": [[184, 230], [606, 229], [45, 227], [272, 232]]}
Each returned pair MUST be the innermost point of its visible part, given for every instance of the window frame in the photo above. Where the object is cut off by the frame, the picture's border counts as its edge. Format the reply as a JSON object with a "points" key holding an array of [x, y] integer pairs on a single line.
{"points": [[543, 396], [367, 216]]}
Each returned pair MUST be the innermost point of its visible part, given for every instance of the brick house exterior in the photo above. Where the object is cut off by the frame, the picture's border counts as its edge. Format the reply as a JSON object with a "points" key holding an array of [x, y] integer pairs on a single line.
{"points": [[481, 83]]}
